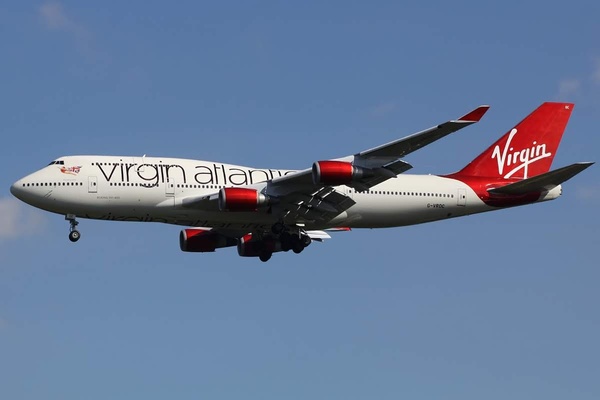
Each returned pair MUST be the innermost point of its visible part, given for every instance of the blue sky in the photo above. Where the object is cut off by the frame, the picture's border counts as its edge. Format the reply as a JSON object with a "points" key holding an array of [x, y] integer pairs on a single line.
{"points": [[496, 306]]}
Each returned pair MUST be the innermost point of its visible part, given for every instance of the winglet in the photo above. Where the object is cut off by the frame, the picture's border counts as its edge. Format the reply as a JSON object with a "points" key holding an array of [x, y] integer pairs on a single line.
{"points": [[475, 115]]}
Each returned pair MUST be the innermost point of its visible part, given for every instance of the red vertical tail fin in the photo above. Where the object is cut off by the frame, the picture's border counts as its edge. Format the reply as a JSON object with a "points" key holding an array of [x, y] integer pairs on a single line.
{"points": [[527, 149]]}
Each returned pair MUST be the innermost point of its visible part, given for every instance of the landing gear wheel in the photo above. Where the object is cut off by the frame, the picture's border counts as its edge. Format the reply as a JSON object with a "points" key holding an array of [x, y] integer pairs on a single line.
{"points": [[277, 228], [286, 241], [265, 256], [74, 236], [306, 240], [297, 246]]}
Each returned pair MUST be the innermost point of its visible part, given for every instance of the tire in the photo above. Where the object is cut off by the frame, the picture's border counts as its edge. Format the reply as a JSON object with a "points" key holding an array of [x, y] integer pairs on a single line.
{"points": [[306, 240], [265, 256], [74, 236], [286, 241], [297, 246]]}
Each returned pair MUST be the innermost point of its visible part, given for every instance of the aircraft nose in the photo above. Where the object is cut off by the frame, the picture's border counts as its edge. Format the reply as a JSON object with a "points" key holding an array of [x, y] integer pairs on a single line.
{"points": [[17, 189]]}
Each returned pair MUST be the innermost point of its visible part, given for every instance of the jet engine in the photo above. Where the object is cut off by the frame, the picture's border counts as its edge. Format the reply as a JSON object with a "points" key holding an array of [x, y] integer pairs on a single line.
{"points": [[337, 173], [203, 240], [241, 199], [251, 247]]}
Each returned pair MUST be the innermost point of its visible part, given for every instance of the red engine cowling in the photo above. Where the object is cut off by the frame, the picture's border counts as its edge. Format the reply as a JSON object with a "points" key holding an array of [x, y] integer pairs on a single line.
{"points": [[241, 199], [247, 247], [203, 240], [336, 172]]}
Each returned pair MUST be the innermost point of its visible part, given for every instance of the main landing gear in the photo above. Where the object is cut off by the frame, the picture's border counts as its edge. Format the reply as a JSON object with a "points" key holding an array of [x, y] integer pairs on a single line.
{"points": [[74, 234], [282, 238], [295, 241]]}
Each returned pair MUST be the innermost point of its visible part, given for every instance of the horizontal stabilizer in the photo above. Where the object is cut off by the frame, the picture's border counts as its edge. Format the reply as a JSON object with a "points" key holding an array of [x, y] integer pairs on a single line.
{"points": [[542, 182]]}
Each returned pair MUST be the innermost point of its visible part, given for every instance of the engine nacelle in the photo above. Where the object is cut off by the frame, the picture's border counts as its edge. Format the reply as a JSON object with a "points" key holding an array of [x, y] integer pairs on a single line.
{"points": [[203, 240], [337, 173], [241, 199], [247, 247]]}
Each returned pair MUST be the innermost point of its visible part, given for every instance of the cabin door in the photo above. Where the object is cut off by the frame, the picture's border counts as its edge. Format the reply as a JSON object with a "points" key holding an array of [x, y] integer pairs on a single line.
{"points": [[462, 197], [92, 184]]}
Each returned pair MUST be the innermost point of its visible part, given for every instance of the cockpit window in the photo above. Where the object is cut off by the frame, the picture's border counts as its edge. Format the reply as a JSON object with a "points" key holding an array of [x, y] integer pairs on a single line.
{"points": [[57, 163]]}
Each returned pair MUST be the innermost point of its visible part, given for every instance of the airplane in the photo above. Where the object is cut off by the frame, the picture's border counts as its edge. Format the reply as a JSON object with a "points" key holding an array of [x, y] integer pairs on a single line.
{"points": [[264, 211]]}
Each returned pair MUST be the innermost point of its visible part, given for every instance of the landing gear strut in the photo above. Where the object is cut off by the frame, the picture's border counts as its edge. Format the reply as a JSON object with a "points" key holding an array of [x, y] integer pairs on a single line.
{"points": [[74, 234], [278, 228], [299, 243], [292, 241]]}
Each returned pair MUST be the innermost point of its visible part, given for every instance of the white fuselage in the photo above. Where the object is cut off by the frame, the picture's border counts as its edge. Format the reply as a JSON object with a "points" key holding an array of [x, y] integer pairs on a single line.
{"points": [[150, 189]]}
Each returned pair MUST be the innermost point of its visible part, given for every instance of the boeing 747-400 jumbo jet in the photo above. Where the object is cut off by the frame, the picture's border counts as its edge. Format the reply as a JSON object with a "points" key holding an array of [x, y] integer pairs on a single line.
{"points": [[264, 211]]}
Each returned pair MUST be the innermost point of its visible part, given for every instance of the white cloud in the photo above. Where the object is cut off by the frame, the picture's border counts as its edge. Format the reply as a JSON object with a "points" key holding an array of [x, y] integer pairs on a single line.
{"points": [[596, 72], [54, 16], [56, 19], [568, 88], [382, 109], [580, 86], [3, 324], [17, 219], [590, 193]]}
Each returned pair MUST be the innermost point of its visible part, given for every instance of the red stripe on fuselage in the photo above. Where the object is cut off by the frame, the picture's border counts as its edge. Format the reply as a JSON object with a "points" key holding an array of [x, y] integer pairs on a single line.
{"points": [[480, 186]]}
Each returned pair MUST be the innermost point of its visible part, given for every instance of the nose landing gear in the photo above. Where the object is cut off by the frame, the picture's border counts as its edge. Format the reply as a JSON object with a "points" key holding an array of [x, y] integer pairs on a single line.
{"points": [[74, 234]]}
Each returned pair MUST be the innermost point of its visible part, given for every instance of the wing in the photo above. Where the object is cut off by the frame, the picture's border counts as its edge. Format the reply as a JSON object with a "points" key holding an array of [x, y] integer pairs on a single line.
{"points": [[401, 147], [316, 194], [310, 194]]}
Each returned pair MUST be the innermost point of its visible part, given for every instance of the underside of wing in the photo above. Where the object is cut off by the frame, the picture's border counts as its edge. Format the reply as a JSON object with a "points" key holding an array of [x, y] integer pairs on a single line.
{"points": [[320, 205]]}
